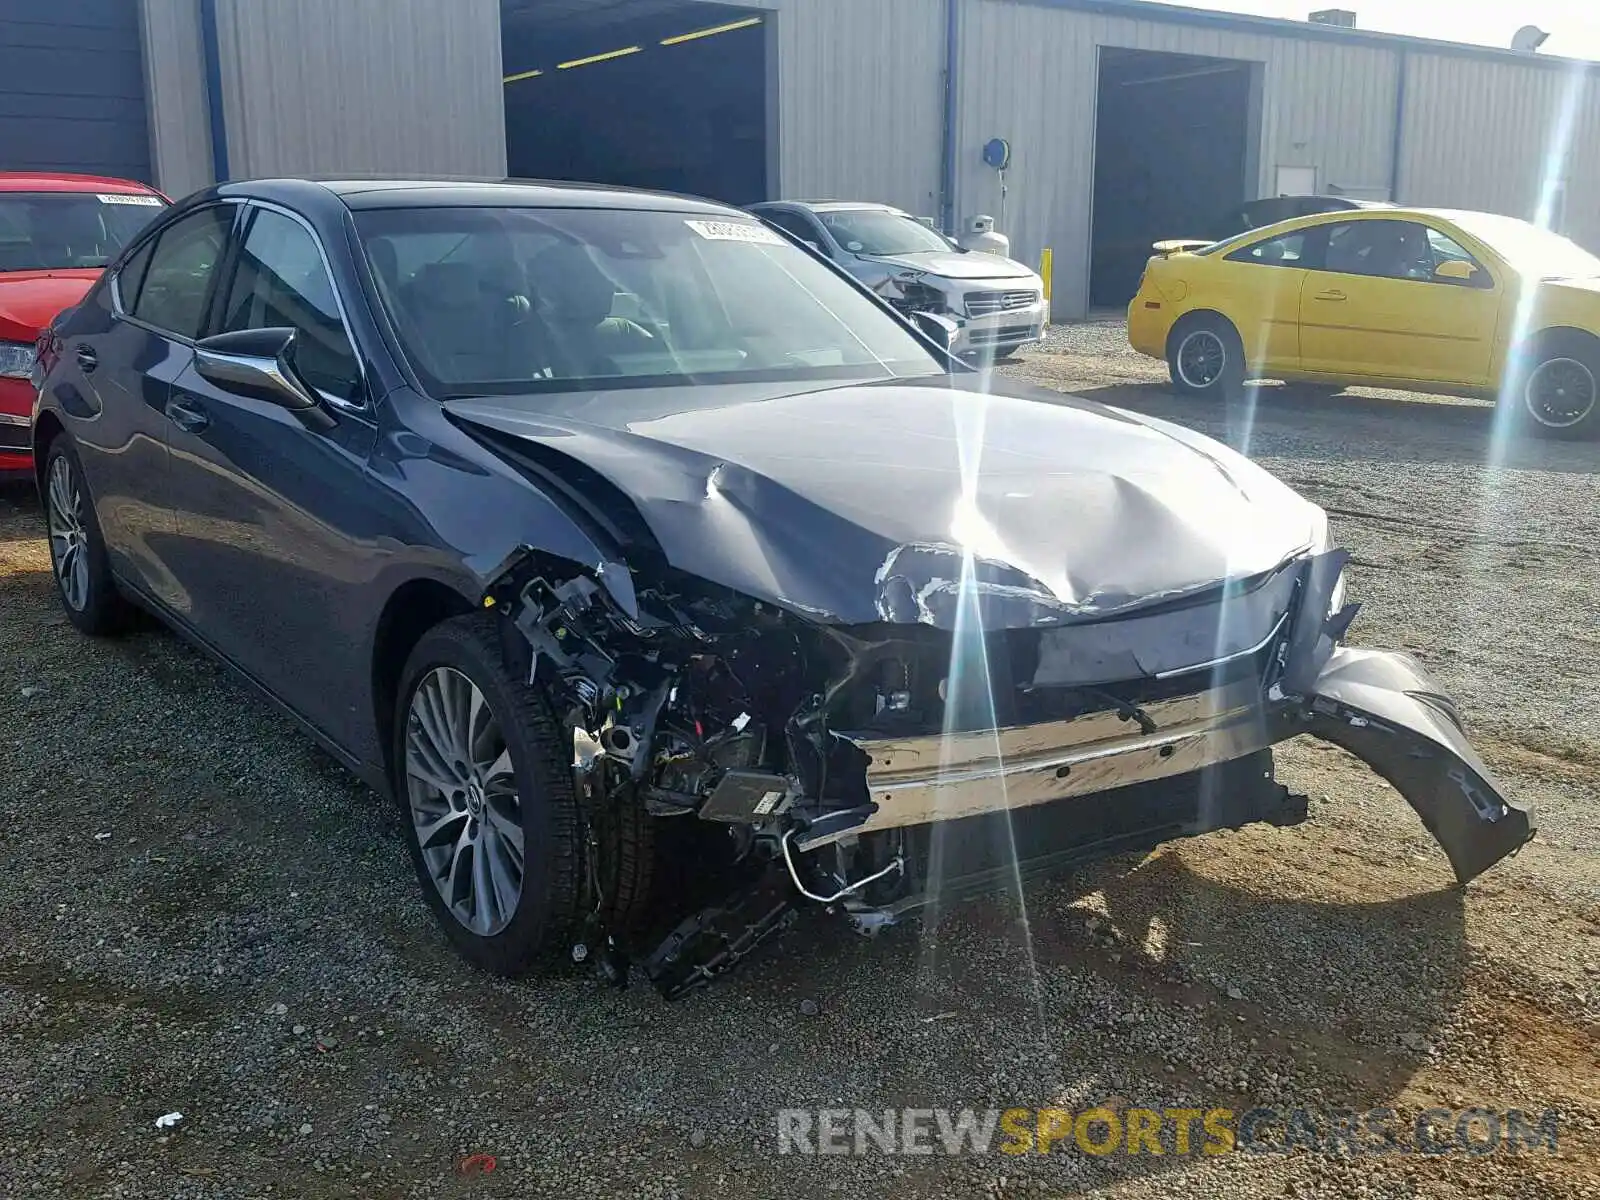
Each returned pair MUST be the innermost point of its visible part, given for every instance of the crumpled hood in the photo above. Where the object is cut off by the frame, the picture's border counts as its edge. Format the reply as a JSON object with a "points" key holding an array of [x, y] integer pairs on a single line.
{"points": [[868, 502], [30, 300], [952, 264]]}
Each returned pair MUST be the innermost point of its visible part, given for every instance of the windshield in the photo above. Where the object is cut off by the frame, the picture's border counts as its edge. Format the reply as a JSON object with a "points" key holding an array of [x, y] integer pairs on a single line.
{"points": [[1529, 248], [53, 231], [874, 231], [504, 300]]}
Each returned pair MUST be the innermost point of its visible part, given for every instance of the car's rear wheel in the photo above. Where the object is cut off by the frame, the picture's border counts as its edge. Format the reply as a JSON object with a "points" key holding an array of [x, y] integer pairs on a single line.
{"points": [[77, 548], [484, 778], [1557, 391], [1205, 356]]}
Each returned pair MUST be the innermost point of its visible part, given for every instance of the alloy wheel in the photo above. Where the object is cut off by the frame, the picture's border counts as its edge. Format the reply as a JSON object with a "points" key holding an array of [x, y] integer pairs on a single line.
{"points": [[69, 543], [1202, 358], [463, 799], [1559, 393]]}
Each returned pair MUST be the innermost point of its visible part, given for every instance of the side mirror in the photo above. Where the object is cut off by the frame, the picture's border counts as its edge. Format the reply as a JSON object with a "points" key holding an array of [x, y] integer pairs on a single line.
{"points": [[260, 363], [817, 246], [1456, 270], [938, 327]]}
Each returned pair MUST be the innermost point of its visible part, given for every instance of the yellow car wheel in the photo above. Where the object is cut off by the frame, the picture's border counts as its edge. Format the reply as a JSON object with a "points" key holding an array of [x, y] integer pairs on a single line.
{"points": [[1557, 391], [1205, 356]]}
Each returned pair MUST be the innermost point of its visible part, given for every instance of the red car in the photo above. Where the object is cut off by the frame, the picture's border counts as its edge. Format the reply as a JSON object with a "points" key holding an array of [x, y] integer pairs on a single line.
{"points": [[56, 234]]}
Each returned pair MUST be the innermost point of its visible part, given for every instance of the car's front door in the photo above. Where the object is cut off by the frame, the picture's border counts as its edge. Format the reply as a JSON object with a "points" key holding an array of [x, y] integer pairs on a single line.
{"points": [[123, 372], [1379, 306], [270, 510]]}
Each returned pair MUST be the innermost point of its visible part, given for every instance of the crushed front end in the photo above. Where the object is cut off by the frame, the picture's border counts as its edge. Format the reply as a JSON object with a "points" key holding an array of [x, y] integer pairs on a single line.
{"points": [[954, 744]]}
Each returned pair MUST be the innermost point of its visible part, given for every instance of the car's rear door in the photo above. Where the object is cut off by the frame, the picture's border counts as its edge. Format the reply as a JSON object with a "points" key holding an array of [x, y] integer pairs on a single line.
{"points": [[120, 355], [1376, 307], [270, 511]]}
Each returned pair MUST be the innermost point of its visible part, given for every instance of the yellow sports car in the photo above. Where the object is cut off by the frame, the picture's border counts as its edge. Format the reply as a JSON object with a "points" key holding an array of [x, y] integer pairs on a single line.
{"points": [[1462, 303]]}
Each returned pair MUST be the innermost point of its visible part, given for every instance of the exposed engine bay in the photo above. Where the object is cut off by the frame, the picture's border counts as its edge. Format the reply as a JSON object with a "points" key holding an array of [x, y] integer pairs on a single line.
{"points": [[868, 769]]}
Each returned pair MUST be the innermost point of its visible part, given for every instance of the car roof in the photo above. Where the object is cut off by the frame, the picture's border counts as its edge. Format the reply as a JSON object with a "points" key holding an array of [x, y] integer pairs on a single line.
{"points": [[60, 181], [490, 193]]}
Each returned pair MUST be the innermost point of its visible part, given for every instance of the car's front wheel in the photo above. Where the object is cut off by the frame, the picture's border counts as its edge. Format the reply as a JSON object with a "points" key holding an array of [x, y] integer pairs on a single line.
{"points": [[485, 785], [1557, 390], [1205, 356], [77, 548]]}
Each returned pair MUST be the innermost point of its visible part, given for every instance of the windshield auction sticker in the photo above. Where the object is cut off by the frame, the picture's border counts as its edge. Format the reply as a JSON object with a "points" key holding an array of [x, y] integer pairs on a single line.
{"points": [[735, 231], [143, 200]]}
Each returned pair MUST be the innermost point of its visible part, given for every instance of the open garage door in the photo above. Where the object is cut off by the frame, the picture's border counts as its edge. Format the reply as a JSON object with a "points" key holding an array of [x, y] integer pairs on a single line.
{"points": [[1171, 155], [72, 88], [642, 93]]}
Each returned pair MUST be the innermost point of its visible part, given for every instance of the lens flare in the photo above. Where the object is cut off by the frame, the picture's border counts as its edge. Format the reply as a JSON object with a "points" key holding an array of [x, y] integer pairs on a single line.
{"points": [[970, 703]]}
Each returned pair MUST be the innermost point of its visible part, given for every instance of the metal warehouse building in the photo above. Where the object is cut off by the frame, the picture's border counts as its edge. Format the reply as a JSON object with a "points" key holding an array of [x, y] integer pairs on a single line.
{"points": [[1125, 120]]}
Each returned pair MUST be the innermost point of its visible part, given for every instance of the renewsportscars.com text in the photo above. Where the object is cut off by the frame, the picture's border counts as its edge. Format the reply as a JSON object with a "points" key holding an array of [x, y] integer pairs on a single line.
{"points": [[1162, 1131]]}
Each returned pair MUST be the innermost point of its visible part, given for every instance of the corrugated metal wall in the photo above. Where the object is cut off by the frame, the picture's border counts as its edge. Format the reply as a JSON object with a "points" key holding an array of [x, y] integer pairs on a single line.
{"points": [[362, 86], [860, 100], [175, 91], [1491, 135], [1028, 73], [72, 88]]}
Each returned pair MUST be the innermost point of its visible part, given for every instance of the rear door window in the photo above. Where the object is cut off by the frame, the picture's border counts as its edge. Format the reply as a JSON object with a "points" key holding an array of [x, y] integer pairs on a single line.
{"points": [[182, 268]]}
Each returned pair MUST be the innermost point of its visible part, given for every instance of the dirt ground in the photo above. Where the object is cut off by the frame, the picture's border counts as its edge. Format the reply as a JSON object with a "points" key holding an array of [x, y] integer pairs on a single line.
{"points": [[205, 915]]}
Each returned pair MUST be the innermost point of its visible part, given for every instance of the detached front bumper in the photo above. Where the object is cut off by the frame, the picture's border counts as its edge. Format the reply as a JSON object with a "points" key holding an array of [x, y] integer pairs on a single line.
{"points": [[1382, 707]]}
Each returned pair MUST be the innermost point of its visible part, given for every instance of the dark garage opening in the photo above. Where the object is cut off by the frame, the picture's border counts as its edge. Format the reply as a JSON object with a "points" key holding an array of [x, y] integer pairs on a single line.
{"points": [[1172, 133], [654, 94], [72, 88]]}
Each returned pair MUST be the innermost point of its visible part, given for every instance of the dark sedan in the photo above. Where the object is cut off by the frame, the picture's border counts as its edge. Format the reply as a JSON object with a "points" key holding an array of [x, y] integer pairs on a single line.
{"points": [[671, 581], [1269, 210]]}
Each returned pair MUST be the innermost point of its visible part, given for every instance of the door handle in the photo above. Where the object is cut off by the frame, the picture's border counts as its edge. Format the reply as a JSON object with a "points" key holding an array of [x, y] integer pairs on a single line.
{"points": [[1331, 294], [187, 415], [88, 360]]}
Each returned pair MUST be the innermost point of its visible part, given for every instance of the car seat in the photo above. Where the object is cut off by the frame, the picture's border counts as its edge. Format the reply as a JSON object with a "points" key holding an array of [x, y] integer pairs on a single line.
{"points": [[576, 299], [469, 324]]}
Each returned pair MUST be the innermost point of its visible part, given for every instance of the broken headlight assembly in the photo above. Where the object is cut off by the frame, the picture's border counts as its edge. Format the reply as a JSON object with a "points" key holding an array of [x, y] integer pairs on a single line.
{"points": [[911, 294]]}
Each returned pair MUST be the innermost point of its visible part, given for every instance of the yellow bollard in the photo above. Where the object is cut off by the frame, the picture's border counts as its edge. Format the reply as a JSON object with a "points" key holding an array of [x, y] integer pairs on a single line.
{"points": [[1046, 263]]}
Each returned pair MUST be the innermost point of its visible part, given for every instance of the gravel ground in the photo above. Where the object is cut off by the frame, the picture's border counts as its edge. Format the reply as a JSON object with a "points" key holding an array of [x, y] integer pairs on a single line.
{"points": [[207, 916]]}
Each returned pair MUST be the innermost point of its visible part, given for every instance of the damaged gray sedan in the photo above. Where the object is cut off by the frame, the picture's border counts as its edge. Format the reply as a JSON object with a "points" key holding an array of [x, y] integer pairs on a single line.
{"points": [[672, 582]]}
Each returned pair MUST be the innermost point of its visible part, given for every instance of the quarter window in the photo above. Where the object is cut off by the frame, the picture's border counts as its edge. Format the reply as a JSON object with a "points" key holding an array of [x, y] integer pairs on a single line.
{"points": [[1288, 250], [281, 282], [172, 294]]}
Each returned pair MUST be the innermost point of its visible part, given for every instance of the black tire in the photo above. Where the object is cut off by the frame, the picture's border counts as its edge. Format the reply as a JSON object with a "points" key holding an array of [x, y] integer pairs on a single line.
{"points": [[626, 854], [1555, 391], [78, 560], [1205, 356], [544, 921]]}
